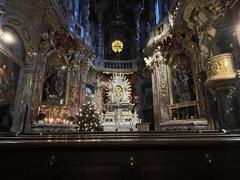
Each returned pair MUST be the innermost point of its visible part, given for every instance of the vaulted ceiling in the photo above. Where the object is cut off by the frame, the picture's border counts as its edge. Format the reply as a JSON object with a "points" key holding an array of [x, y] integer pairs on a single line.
{"points": [[119, 20]]}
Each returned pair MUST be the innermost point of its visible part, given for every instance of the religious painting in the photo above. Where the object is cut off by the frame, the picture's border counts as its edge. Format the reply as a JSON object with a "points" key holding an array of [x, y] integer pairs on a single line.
{"points": [[9, 75]]}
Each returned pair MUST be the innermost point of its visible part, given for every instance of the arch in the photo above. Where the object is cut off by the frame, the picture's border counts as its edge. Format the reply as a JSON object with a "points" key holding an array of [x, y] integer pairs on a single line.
{"points": [[16, 47], [26, 31]]}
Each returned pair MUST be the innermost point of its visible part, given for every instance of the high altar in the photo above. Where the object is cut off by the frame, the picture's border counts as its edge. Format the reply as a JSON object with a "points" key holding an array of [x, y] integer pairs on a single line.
{"points": [[119, 113]]}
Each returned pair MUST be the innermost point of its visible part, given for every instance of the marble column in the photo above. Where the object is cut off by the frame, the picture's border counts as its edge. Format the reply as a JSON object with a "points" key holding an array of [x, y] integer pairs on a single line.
{"points": [[83, 79], [45, 47], [156, 102], [160, 89], [23, 101], [73, 99], [152, 15], [137, 26], [38, 85], [86, 22], [237, 45], [98, 95], [99, 8], [228, 111]]}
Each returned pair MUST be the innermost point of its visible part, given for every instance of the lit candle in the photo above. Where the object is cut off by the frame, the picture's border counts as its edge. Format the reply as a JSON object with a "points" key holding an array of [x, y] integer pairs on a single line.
{"points": [[51, 120]]}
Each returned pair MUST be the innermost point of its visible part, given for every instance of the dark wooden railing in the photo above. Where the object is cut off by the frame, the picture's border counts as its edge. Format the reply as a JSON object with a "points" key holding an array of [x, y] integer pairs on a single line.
{"points": [[120, 156]]}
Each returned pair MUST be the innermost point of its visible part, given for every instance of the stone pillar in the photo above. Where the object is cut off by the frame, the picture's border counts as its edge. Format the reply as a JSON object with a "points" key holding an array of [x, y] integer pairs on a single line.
{"points": [[73, 95], [99, 8], [23, 101], [237, 45], [164, 92], [83, 80], [79, 68], [226, 107], [45, 47], [86, 22], [152, 15], [160, 89], [98, 93], [38, 85], [137, 26], [156, 102]]}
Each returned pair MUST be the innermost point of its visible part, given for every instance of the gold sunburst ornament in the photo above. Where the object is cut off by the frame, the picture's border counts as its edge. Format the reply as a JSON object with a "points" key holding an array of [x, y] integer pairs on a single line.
{"points": [[117, 46], [119, 89]]}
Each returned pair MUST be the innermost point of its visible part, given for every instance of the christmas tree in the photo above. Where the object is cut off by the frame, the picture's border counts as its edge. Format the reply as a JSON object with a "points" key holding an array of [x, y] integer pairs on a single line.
{"points": [[89, 116]]}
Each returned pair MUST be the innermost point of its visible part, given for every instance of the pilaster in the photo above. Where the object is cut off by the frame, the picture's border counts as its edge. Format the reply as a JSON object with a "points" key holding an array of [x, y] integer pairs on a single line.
{"points": [[160, 87]]}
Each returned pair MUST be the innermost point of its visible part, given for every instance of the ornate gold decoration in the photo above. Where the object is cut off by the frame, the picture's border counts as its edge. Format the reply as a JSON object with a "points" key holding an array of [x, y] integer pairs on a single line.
{"points": [[155, 60], [163, 88], [220, 68], [119, 89], [117, 46], [57, 58], [31, 53], [55, 114]]}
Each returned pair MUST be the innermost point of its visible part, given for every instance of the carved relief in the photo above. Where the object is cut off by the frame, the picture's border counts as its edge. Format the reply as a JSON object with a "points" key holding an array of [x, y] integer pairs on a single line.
{"points": [[119, 89], [220, 68], [163, 88], [203, 17], [30, 53], [155, 60]]}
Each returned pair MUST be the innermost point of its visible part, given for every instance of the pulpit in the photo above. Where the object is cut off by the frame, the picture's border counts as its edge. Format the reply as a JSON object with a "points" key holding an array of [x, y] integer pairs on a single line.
{"points": [[221, 80]]}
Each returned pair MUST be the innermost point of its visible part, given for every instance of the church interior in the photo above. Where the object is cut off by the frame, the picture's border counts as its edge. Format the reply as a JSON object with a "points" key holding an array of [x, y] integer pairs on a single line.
{"points": [[120, 89]]}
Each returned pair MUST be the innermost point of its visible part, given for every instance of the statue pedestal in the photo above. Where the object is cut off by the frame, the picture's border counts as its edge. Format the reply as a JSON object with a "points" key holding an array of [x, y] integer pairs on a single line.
{"points": [[184, 125], [143, 126], [119, 117], [123, 127]]}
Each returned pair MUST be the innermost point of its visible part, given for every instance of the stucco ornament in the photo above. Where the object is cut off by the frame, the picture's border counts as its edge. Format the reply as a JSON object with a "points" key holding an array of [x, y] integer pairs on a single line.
{"points": [[119, 89]]}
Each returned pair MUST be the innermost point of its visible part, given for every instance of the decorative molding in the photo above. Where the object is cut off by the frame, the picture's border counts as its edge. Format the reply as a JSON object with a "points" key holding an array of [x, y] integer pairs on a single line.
{"points": [[220, 68]]}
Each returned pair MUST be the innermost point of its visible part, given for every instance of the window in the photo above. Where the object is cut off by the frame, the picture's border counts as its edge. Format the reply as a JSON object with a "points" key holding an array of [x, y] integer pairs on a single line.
{"points": [[89, 89], [11, 39], [157, 12]]}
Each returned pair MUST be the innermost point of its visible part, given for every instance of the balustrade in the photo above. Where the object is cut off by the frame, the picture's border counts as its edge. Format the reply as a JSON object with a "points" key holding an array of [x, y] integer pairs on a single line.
{"points": [[123, 65]]}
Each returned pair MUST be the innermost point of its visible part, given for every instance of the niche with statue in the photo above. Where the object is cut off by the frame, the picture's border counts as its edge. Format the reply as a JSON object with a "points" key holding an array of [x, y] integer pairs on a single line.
{"points": [[55, 81], [54, 93], [183, 96]]}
